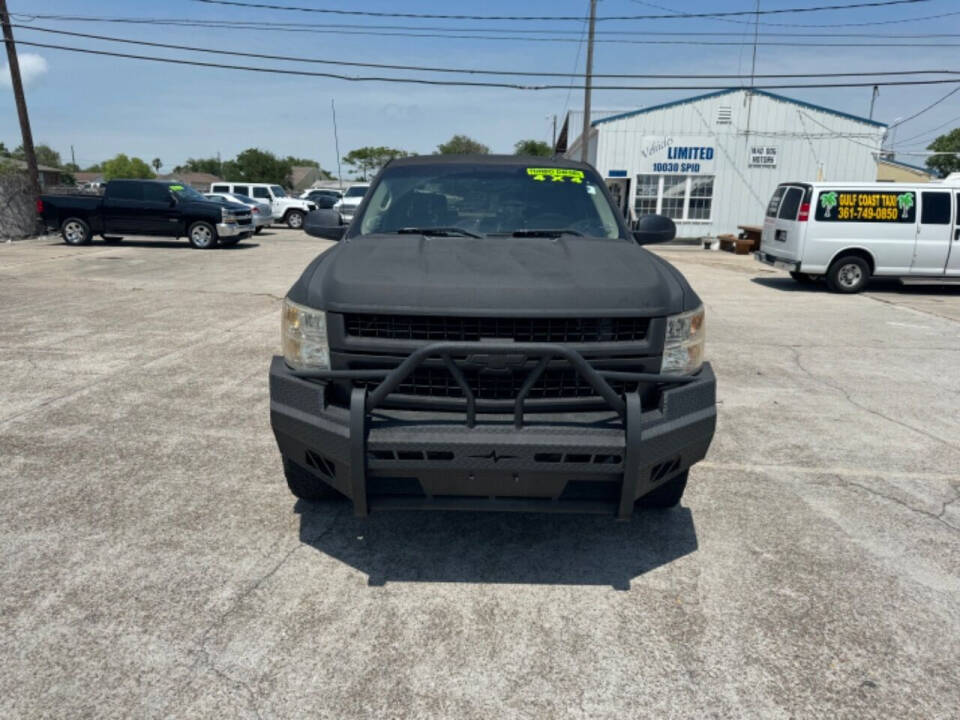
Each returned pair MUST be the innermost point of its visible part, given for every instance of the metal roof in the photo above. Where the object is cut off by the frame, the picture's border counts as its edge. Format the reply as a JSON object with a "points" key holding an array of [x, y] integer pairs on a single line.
{"points": [[727, 91]]}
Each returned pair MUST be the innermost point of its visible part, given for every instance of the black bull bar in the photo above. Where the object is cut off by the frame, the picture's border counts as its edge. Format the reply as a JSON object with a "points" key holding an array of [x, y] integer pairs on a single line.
{"points": [[364, 400]]}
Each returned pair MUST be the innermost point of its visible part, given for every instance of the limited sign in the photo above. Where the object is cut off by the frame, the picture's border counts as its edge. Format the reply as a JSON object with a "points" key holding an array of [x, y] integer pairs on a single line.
{"points": [[763, 156], [850, 206], [687, 155]]}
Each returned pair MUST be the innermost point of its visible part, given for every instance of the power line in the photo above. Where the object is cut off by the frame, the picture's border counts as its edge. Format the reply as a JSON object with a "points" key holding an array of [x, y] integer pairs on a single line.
{"points": [[466, 83], [523, 18], [469, 71], [928, 107], [331, 27], [931, 130], [297, 28]]}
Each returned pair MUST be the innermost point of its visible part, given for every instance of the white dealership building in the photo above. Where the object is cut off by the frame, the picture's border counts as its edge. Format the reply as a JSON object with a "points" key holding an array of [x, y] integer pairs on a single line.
{"points": [[711, 162]]}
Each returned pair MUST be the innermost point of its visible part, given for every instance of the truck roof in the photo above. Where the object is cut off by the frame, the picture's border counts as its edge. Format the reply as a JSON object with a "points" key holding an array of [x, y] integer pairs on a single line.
{"points": [[513, 160]]}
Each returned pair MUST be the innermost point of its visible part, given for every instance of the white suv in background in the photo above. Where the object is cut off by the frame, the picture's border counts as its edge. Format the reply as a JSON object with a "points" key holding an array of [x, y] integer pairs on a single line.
{"points": [[351, 200], [286, 209]]}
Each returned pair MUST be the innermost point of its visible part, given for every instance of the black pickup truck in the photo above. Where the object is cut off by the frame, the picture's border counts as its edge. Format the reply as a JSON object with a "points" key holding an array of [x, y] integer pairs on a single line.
{"points": [[146, 207], [489, 334]]}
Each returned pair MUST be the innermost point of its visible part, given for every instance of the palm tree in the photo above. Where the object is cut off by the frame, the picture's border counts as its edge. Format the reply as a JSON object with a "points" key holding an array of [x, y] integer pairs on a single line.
{"points": [[157, 164]]}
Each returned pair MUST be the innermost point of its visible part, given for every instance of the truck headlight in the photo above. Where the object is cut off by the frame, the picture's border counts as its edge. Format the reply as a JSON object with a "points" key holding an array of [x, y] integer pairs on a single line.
{"points": [[227, 216], [303, 332], [683, 342]]}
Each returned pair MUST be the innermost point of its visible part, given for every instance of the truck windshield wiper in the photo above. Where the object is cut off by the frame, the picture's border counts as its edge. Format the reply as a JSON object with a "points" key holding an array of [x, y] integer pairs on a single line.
{"points": [[438, 232], [549, 232]]}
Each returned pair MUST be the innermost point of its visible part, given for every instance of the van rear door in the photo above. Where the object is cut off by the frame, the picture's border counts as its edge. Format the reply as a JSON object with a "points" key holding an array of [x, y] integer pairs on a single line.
{"points": [[787, 215]]}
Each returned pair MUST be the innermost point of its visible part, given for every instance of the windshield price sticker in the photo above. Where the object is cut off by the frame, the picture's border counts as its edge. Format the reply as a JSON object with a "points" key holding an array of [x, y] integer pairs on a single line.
{"points": [[556, 175], [838, 206], [176, 188]]}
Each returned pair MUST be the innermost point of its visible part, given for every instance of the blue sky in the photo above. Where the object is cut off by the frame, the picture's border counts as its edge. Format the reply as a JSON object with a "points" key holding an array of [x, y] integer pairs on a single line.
{"points": [[103, 105]]}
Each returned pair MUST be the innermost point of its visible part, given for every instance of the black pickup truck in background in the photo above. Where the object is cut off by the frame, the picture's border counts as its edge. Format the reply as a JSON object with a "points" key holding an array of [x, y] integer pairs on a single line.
{"points": [[146, 207]]}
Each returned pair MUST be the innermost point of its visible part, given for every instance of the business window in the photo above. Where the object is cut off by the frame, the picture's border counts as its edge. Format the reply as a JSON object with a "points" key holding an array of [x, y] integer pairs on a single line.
{"points": [[681, 197]]}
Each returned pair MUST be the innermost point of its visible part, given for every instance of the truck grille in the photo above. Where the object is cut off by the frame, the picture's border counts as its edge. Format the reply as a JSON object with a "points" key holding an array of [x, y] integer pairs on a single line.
{"points": [[554, 383], [437, 328]]}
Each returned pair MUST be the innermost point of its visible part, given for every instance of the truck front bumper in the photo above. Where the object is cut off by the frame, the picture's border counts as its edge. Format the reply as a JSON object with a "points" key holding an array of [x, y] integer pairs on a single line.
{"points": [[227, 230], [601, 460]]}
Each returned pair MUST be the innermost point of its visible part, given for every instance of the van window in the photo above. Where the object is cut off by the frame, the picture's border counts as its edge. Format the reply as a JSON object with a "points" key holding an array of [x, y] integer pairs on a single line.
{"points": [[220, 188], [790, 204], [261, 192], [241, 190], [935, 209], [775, 202]]}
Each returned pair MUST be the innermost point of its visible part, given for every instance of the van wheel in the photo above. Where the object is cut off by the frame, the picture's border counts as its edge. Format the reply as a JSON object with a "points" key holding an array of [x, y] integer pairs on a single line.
{"points": [[305, 486], [202, 236], [667, 495], [295, 219], [848, 274], [802, 278], [75, 231]]}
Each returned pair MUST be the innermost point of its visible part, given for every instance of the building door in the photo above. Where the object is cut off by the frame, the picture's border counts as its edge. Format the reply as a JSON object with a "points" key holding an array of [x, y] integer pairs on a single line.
{"points": [[620, 192]]}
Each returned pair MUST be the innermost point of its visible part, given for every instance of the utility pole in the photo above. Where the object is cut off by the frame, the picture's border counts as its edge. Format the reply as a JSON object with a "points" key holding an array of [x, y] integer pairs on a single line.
{"points": [[336, 143], [873, 99], [17, 83], [73, 156], [554, 130], [588, 82]]}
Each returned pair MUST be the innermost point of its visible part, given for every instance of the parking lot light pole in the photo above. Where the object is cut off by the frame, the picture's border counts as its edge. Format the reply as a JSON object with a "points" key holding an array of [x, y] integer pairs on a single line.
{"points": [[29, 155]]}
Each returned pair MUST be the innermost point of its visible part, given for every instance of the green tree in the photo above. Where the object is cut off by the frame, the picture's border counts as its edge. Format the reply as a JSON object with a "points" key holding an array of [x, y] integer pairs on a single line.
{"points": [[209, 165], [253, 165], [302, 162], [943, 165], [157, 164], [533, 148], [122, 166], [46, 155], [3, 150], [462, 145], [95, 168], [368, 160]]}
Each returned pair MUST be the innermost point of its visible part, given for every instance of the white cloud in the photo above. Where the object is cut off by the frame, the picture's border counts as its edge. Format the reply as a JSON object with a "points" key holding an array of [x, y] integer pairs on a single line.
{"points": [[32, 68]]}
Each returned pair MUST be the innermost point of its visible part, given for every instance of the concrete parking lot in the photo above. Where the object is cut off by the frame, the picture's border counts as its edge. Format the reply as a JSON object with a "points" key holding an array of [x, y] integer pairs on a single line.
{"points": [[155, 565]]}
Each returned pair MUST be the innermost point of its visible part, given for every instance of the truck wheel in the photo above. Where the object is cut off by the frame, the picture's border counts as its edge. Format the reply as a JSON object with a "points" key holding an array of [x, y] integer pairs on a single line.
{"points": [[202, 236], [295, 219], [667, 495], [848, 274], [802, 278], [112, 239], [258, 230], [75, 231], [305, 486]]}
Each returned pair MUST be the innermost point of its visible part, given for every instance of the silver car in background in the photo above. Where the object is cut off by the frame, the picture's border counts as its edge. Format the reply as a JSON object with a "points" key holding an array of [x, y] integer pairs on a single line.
{"points": [[261, 211]]}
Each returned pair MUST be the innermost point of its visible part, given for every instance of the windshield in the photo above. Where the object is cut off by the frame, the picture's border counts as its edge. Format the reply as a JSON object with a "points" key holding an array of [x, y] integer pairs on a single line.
{"points": [[185, 192], [489, 200], [278, 191], [357, 191]]}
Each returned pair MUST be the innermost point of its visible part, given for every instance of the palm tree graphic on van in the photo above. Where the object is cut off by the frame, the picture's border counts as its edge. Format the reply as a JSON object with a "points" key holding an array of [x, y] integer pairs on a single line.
{"points": [[905, 202], [828, 201]]}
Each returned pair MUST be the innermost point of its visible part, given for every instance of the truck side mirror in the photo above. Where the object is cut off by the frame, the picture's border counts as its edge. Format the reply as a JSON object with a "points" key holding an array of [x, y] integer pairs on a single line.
{"points": [[324, 224], [652, 229]]}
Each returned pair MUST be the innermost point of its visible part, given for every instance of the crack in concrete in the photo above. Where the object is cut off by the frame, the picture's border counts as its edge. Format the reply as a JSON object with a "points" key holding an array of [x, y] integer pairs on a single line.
{"points": [[933, 516], [843, 391], [203, 654]]}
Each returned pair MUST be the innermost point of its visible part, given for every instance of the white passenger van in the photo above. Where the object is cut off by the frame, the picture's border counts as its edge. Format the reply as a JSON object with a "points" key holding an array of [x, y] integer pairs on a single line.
{"points": [[290, 210], [848, 232]]}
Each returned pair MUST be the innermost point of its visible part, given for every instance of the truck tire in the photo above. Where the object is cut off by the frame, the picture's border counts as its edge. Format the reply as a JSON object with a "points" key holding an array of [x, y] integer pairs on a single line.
{"points": [[258, 230], [667, 495], [295, 219], [305, 486], [848, 274], [75, 231], [202, 236]]}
